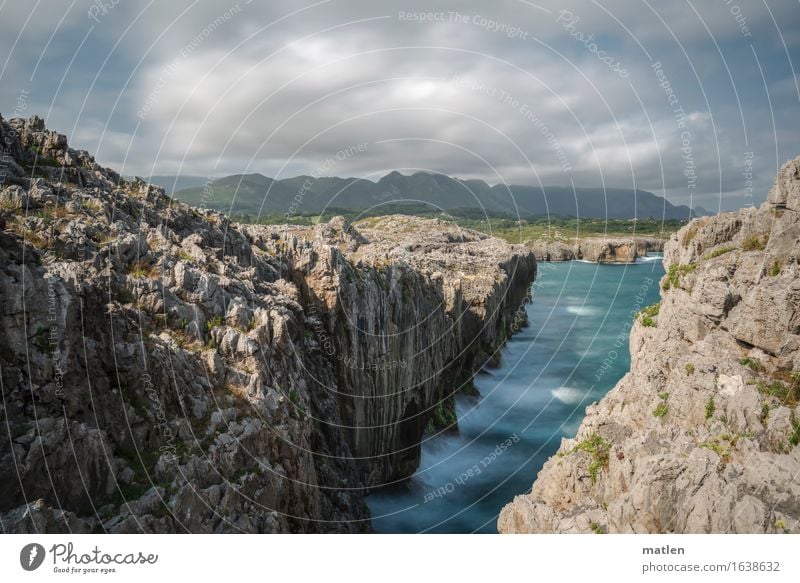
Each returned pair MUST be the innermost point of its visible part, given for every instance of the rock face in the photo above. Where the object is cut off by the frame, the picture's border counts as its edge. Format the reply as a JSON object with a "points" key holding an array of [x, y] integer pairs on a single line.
{"points": [[597, 249], [607, 250], [702, 434], [166, 370], [551, 250], [412, 307]]}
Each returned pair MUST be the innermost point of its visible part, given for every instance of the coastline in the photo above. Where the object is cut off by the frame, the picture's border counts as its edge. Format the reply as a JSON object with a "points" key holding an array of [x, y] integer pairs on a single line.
{"points": [[595, 249]]}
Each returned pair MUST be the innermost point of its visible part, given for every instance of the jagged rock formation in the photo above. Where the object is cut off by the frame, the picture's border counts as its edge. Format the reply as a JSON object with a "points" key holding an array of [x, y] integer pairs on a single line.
{"points": [[412, 307], [702, 434], [597, 249], [166, 370]]}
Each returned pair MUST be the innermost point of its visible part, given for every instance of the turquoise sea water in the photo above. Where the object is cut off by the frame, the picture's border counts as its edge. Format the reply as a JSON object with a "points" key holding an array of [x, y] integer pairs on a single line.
{"points": [[573, 352]]}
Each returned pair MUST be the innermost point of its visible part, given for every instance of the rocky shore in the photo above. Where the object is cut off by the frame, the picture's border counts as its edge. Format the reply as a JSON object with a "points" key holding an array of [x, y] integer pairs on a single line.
{"points": [[167, 370], [596, 249], [701, 435]]}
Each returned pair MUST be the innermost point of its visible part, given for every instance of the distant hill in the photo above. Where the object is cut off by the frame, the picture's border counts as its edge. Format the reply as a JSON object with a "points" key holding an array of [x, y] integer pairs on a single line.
{"points": [[256, 194], [702, 212], [174, 183]]}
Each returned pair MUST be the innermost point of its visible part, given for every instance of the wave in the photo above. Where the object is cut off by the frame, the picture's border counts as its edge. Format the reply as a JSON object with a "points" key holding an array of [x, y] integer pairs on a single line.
{"points": [[568, 395], [582, 310], [649, 259]]}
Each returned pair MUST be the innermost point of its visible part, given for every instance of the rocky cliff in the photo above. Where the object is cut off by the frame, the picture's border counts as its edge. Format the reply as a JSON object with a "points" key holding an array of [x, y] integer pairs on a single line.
{"points": [[597, 249], [701, 435], [166, 370], [411, 308]]}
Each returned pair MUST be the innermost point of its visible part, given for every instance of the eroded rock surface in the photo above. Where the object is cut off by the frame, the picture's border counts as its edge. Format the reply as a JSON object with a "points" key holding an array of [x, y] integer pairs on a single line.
{"points": [[167, 370], [701, 435]]}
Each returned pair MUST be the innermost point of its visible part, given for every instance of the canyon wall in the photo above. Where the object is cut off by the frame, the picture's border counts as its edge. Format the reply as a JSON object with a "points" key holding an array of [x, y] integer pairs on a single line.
{"points": [[701, 435], [166, 370], [409, 309]]}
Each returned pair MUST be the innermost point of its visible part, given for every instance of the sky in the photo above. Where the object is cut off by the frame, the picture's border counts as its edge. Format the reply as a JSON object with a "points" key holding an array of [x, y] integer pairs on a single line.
{"points": [[694, 100]]}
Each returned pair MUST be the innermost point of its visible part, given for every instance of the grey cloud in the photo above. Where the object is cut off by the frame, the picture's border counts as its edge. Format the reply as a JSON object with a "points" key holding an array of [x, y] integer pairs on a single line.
{"points": [[231, 87]]}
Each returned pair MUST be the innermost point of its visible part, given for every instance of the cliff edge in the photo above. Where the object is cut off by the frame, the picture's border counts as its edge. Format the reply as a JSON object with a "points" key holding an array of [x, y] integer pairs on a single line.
{"points": [[701, 435], [166, 370]]}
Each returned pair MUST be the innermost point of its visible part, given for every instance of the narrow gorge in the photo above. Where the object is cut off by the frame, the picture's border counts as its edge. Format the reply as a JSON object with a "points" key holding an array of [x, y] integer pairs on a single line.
{"points": [[167, 370]]}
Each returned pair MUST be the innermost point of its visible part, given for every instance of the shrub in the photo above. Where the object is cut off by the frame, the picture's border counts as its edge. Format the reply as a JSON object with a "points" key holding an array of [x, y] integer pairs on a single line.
{"points": [[599, 449], [674, 274], [788, 395], [141, 269], [213, 323], [775, 269], [689, 235], [752, 364], [719, 251], [710, 407], [718, 447], [794, 438], [60, 212], [35, 239], [661, 409], [596, 528], [94, 205], [649, 313], [753, 243], [689, 369]]}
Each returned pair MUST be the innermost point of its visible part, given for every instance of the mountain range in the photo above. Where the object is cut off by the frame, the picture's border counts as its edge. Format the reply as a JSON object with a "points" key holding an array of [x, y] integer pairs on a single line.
{"points": [[258, 195]]}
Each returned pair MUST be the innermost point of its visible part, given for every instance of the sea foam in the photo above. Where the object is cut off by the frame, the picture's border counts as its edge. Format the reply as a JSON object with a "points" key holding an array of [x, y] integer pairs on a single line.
{"points": [[569, 395]]}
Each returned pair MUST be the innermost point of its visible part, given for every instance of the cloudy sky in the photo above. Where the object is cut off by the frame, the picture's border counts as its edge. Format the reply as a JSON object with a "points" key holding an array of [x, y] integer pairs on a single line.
{"points": [[691, 99]]}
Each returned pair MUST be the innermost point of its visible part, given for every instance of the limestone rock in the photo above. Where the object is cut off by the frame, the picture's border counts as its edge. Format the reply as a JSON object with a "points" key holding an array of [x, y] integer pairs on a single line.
{"points": [[167, 370], [596, 249], [701, 435]]}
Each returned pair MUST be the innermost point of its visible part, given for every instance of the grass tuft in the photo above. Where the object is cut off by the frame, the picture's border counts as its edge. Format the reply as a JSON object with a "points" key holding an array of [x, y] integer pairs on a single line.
{"points": [[674, 274], [753, 243], [719, 251], [649, 313], [599, 449], [710, 407], [752, 364]]}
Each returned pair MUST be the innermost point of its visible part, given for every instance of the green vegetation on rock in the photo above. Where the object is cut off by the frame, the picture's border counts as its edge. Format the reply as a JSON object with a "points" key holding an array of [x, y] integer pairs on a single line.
{"points": [[674, 274], [753, 243], [719, 251], [649, 313], [710, 407], [598, 448]]}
